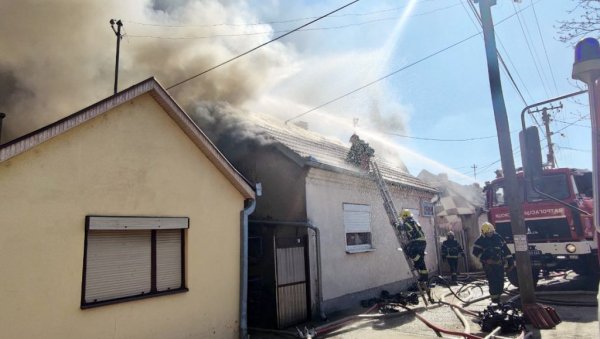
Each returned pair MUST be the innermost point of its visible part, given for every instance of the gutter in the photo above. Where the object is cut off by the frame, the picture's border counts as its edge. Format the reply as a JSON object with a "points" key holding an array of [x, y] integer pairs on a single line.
{"points": [[306, 224], [249, 206]]}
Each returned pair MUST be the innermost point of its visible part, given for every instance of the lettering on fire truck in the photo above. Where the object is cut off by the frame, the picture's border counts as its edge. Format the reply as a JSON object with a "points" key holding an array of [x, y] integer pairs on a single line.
{"points": [[542, 213]]}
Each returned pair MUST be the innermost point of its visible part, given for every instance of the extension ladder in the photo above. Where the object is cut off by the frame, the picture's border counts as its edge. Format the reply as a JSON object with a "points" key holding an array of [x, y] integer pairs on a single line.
{"points": [[395, 221]]}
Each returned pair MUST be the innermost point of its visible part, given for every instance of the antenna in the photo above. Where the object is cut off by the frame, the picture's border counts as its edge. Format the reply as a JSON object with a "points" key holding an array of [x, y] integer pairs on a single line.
{"points": [[117, 31]]}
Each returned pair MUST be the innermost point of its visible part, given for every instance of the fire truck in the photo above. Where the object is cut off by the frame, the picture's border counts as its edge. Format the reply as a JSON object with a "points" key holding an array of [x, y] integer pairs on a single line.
{"points": [[560, 236]]}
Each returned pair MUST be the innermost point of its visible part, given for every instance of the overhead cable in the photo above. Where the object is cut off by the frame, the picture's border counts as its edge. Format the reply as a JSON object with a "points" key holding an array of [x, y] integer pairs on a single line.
{"points": [[261, 45], [398, 70]]}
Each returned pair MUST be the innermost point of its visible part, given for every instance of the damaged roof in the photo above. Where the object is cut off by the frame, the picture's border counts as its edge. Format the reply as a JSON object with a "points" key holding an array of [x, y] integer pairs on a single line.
{"points": [[456, 199], [316, 150]]}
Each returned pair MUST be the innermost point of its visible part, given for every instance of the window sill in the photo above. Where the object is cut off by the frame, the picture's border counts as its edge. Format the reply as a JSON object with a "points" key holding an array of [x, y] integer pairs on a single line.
{"points": [[359, 250], [132, 298]]}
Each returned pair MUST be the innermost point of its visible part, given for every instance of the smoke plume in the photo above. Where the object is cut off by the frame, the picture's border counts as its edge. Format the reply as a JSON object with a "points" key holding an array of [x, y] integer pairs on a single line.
{"points": [[59, 56]]}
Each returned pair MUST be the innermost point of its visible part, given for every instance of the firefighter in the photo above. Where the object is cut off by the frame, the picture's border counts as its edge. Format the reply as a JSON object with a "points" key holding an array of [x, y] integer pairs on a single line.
{"points": [[416, 248], [451, 249], [495, 256]]}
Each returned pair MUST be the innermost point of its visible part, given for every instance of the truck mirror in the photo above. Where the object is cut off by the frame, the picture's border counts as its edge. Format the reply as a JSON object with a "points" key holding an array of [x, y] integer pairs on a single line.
{"points": [[531, 153]]}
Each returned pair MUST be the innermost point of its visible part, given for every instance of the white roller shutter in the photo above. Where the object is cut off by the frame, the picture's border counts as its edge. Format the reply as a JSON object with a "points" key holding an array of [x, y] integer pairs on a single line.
{"points": [[357, 218], [168, 260], [118, 264]]}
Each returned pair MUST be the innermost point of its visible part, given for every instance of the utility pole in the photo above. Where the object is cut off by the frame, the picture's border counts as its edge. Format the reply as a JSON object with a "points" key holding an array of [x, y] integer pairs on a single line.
{"points": [[551, 160], [119, 37], [474, 167], [506, 155]]}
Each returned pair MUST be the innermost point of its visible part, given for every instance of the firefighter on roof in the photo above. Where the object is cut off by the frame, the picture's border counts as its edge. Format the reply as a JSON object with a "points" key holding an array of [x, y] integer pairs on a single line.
{"points": [[416, 248], [451, 249], [495, 256]]}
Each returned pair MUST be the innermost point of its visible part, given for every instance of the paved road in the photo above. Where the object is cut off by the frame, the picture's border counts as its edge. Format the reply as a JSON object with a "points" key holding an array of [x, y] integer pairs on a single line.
{"points": [[577, 321]]}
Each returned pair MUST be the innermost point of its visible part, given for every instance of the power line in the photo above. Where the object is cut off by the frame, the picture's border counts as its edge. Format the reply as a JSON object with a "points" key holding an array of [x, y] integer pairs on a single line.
{"points": [[261, 45], [274, 22], [383, 77], [531, 52], [544, 45], [437, 139], [227, 35], [398, 70], [572, 124], [506, 70]]}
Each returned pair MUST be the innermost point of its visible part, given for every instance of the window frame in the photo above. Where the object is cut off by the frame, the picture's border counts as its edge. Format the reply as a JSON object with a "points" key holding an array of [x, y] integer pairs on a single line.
{"points": [[160, 223], [361, 247]]}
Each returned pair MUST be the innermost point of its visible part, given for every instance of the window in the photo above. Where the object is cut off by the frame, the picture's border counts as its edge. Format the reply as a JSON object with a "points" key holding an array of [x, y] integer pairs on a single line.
{"points": [[357, 225], [555, 185], [128, 258]]}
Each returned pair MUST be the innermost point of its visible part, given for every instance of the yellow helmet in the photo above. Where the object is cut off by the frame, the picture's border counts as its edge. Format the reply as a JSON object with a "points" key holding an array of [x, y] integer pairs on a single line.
{"points": [[406, 214], [487, 228]]}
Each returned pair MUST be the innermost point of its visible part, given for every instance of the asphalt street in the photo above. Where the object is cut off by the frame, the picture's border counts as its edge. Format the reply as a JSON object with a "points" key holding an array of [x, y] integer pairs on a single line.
{"points": [[573, 297]]}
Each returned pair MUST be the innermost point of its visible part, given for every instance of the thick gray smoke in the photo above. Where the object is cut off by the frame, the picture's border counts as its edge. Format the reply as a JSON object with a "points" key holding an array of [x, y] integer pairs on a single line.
{"points": [[58, 56]]}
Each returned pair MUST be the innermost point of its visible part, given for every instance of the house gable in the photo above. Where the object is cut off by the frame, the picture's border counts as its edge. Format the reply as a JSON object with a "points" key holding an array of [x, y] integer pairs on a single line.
{"points": [[132, 160], [156, 91]]}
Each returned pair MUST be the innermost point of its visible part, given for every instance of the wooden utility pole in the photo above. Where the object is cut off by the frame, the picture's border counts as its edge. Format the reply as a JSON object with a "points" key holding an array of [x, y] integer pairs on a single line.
{"points": [[551, 160], [119, 37], [506, 155], [474, 167]]}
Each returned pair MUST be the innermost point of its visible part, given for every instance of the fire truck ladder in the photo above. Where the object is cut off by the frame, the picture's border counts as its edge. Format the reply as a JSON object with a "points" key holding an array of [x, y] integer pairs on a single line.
{"points": [[395, 221]]}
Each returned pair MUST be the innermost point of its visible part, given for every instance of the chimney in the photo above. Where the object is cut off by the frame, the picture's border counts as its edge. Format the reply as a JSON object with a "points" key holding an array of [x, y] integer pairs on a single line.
{"points": [[2, 116]]}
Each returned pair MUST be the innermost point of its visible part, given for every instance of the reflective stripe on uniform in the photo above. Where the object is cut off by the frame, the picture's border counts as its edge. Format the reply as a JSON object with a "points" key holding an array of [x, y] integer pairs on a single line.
{"points": [[423, 271], [416, 257], [452, 256]]}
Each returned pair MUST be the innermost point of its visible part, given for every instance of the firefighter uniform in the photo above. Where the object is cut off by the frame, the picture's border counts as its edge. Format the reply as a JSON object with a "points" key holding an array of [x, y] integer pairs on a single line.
{"points": [[416, 244], [451, 249], [495, 256]]}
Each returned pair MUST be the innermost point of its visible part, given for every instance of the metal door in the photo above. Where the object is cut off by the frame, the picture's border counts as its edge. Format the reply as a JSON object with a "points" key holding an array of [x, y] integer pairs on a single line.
{"points": [[291, 279]]}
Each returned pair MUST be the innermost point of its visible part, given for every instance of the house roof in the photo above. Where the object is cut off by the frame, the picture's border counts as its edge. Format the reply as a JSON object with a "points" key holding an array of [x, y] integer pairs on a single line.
{"points": [[316, 150], [455, 199], [152, 87]]}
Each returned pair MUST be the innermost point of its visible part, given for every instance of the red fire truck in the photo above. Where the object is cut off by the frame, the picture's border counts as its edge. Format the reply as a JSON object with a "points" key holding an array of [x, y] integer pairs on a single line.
{"points": [[560, 236]]}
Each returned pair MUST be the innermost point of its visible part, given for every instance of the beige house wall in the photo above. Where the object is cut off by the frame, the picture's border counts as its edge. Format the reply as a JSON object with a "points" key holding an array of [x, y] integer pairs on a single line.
{"points": [[345, 273], [130, 161]]}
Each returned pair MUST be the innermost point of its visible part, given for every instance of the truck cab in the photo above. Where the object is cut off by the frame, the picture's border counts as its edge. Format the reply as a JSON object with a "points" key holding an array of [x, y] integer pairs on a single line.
{"points": [[560, 236]]}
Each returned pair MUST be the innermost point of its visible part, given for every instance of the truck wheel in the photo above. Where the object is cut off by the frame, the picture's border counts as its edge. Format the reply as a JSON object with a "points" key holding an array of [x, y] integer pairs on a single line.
{"points": [[514, 278]]}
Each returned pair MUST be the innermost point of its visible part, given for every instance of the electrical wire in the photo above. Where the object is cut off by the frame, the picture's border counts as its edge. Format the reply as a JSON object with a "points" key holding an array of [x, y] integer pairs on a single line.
{"points": [[504, 67], [285, 31], [398, 70], [531, 52], [261, 45], [438, 139], [544, 45], [274, 22]]}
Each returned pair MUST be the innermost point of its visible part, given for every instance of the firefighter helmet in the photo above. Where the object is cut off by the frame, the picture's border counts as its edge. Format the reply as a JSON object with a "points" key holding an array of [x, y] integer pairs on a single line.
{"points": [[487, 228], [450, 234], [406, 214]]}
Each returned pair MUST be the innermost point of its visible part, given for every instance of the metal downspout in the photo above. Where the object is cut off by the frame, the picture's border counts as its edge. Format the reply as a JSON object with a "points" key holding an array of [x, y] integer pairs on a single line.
{"points": [[315, 229], [249, 206]]}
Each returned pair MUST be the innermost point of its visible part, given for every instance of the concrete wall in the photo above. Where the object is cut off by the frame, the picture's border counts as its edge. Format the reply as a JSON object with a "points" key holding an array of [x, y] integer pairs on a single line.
{"points": [[133, 160], [348, 276]]}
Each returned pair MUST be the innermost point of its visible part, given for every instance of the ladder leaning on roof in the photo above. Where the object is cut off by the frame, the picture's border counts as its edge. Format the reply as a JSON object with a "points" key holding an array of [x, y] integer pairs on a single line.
{"points": [[395, 221]]}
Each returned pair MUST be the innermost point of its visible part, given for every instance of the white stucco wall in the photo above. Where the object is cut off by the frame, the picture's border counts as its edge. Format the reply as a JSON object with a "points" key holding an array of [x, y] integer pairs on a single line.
{"points": [[345, 273], [131, 161]]}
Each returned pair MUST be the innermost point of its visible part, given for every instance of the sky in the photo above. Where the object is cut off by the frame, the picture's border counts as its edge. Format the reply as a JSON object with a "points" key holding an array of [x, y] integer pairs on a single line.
{"points": [[58, 57]]}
